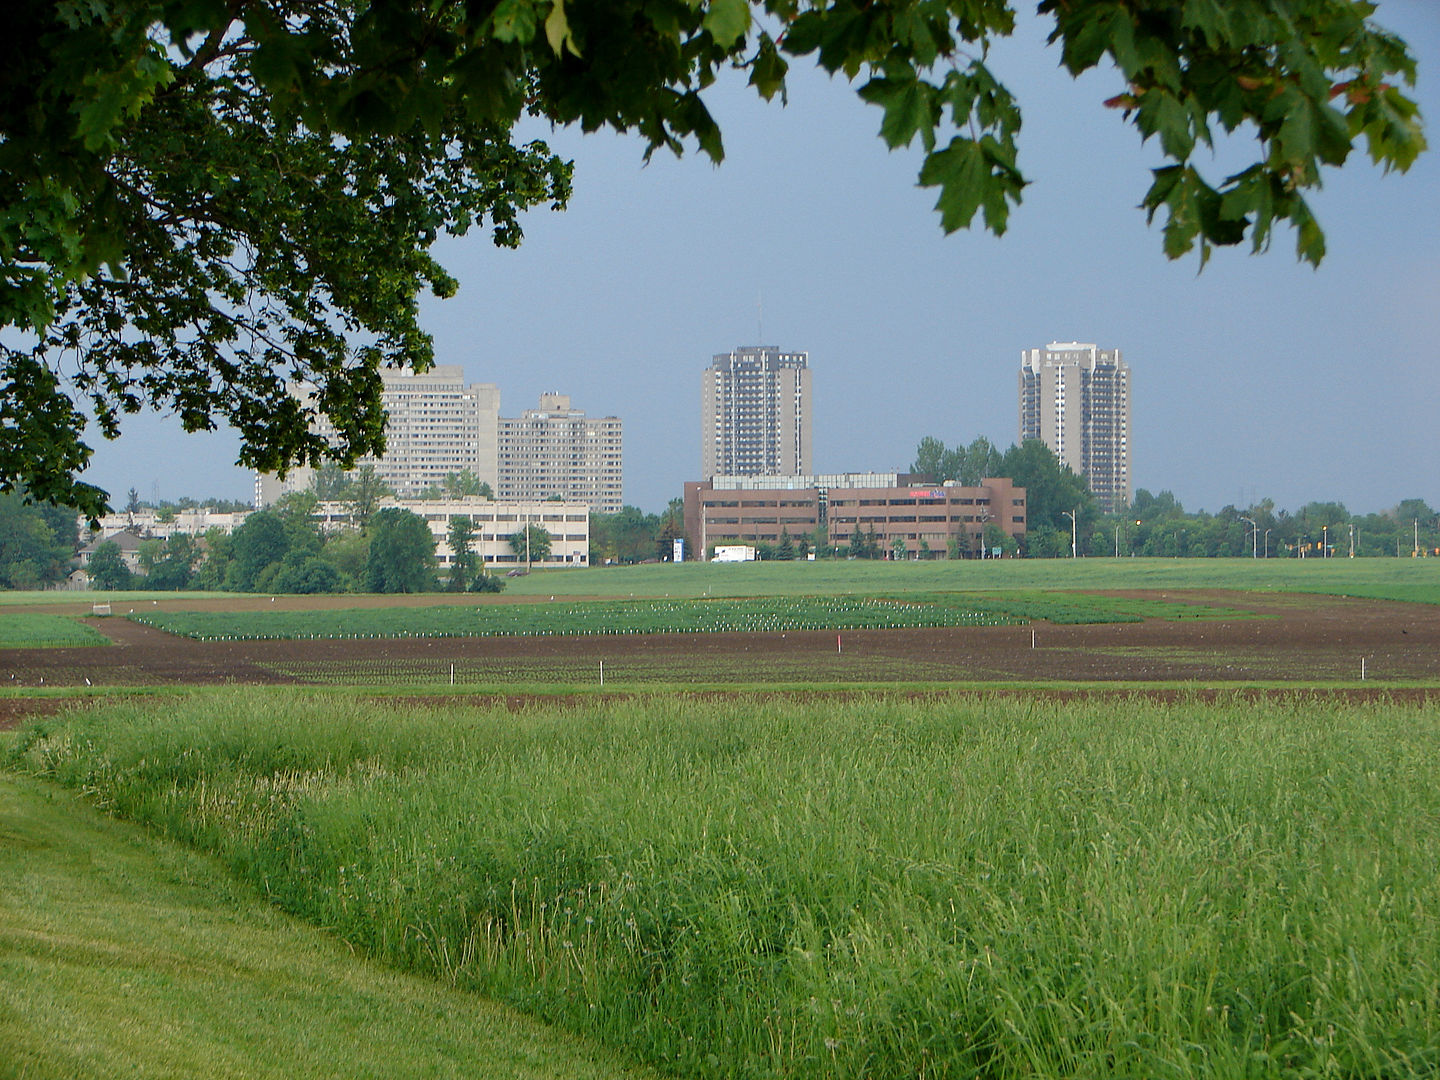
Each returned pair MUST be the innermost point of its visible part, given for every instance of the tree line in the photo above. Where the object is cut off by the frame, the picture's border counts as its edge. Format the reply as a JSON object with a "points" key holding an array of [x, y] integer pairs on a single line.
{"points": [[284, 550], [1157, 525]]}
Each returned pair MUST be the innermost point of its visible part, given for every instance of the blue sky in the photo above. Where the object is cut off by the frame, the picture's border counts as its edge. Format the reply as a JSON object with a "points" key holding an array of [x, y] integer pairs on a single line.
{"points": [[1257, 378]]}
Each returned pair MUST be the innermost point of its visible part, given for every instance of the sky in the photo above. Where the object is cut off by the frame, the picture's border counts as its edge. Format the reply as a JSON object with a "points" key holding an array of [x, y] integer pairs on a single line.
{"points": [[1256, 378]]}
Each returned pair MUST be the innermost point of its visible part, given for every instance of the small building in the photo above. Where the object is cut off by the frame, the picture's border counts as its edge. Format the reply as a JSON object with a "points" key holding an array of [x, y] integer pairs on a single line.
{"points": [[128, 542], [568, 524]]}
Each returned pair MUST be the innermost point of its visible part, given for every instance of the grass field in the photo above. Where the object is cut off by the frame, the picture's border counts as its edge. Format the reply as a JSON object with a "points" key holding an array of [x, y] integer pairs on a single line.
{"points": [[125, 955], [1393, 579], [728, 615], [34, 630], [980, 887]]}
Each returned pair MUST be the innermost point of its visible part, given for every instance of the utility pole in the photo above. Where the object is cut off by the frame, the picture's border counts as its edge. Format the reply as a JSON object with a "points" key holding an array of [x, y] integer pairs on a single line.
{"points": [[1254, 537], [1071, 515]]}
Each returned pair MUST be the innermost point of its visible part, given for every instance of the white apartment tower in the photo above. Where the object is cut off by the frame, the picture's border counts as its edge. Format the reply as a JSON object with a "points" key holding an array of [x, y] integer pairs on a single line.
{"points": [[437, 425], [1076, 400], [755, 413], [556, 451]]}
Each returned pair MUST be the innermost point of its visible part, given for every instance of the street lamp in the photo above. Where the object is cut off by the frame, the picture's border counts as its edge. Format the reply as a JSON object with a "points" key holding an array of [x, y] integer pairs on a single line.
{"points": [[1267, 543], [1117, 541], [1254, 536], [1071, 515]]}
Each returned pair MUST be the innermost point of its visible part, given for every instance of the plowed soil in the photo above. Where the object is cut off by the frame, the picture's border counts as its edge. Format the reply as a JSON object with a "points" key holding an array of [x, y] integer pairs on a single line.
{"points": [[1293, 640]]}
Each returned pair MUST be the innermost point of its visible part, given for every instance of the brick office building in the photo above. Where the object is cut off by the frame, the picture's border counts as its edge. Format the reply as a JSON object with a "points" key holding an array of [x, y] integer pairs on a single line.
{"points": [[924, 517]]}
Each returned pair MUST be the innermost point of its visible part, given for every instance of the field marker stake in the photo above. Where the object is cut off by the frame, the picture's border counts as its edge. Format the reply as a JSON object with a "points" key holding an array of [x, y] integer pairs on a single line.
{"points": [[1032, 637], [837, 643], [1362, 669], [602, 673], [452, 674]]}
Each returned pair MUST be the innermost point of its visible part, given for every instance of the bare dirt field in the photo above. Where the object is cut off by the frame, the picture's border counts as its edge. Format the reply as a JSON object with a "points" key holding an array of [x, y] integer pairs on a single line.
{"points": [[1300, 640]]}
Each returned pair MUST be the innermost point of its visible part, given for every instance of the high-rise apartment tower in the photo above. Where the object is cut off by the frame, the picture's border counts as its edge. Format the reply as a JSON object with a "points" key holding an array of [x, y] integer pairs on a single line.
{"points": [[1076, 400], [555, 451], [755, 413], [438, 424]]}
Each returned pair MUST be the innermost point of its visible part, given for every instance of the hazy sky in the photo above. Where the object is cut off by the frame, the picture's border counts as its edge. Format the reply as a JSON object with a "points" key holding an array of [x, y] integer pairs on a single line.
{"points": [[1257, 378]]}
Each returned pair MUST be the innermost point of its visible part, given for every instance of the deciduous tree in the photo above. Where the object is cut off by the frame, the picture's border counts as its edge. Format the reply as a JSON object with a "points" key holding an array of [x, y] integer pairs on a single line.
{"points": [[201, 200], [402, 553], [461, 538], [107, 567], [532, 543]]}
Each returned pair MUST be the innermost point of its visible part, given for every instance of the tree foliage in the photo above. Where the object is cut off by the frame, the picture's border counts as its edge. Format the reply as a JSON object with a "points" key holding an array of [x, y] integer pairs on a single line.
{"points": [[461, 538], [107, 568], [531, 543], [36, 543], [201, 200], [402, 553], [967, 465]]}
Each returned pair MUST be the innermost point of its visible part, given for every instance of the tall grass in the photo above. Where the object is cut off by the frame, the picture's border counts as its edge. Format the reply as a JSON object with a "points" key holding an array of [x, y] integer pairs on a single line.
{"points": [[885, 889]]}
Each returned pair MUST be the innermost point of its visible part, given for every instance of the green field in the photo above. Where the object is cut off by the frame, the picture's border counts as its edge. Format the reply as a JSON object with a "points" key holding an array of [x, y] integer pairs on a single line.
{"points": [[1396, 579], [677, 616], [882, 888], [34, 630]]}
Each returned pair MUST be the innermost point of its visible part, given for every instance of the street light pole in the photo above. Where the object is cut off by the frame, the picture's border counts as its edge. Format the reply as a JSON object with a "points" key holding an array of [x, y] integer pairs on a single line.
{"points": [[1254, 536], [1117, 541], [1267, 543], [1071, 515]]}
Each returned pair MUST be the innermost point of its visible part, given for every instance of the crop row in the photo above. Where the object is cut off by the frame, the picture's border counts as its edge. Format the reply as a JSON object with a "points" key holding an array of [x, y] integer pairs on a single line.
{"points": [[37, 630], [578, 619], [743, 615]]}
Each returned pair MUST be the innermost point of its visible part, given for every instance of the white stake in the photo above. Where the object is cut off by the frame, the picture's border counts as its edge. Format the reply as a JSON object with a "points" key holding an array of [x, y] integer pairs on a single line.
{"points": [[452, 674], [1032, 637], [602, 672], [1362, 669]]}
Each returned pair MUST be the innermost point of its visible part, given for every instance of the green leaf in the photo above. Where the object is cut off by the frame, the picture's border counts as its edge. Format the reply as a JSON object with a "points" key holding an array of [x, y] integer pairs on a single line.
{"points": [[514, 21], [557, 30], [1162, 114], [910, 109], [768, 70], [963, 176], [727, 20]]}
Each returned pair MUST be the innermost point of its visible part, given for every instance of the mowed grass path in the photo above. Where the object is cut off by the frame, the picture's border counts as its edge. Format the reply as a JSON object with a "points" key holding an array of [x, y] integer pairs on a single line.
{"points": [[890, 889], [125, 955]]}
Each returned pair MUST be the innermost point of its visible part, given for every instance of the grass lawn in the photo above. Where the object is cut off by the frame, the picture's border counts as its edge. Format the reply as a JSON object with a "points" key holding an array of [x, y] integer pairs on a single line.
{"points": [[1394, 579], [124, 955]]}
